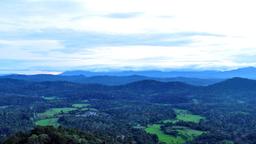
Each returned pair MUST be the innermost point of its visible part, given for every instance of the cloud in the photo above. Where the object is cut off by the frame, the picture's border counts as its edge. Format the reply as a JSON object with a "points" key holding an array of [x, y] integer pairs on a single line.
{"points": [[123, 15], [138, 34], [92, 51], [75, 40], [87, 15], [27, 49], [44, 44]]}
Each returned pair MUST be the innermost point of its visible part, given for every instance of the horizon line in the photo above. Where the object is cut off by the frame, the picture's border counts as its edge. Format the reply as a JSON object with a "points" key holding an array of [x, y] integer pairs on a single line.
{"points": [[46, 72]]}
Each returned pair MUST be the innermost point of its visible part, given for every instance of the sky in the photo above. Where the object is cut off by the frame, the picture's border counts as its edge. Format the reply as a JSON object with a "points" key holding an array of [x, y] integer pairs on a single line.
{"points": [[51, 36]]}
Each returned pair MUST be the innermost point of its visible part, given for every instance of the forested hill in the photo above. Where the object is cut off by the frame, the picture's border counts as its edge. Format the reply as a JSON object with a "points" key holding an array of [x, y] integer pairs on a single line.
{"points": [[150, 90], [236, 84], [109, 80], [156, 86], [146, 90], [141, 112], [51, 135], [246, 72]]}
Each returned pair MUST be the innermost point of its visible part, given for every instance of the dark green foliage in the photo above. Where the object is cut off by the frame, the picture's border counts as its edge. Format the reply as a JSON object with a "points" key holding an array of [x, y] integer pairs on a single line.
{"points": [[109, 80], [51, 135], [14, 119], [120, 112], [117, 121]]}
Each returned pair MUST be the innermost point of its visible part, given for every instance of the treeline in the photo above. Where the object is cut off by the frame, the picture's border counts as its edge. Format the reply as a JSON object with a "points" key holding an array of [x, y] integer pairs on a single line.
{"points": [[51, 135]]}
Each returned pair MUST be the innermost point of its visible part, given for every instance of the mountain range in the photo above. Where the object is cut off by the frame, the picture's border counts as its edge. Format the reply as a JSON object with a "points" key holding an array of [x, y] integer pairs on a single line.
{"points": [[223, 107], [109, 80], [145, 90], [247, 72], [112, 78]]}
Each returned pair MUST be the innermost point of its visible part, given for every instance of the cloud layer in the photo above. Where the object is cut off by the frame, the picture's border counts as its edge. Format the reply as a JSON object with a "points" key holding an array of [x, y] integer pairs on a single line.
{"points": [[53, 35]]}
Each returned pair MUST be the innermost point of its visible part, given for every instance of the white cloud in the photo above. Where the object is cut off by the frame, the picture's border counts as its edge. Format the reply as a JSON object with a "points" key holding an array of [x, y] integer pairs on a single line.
{"points": [[27, 49], [232, 20], [44, 44]]}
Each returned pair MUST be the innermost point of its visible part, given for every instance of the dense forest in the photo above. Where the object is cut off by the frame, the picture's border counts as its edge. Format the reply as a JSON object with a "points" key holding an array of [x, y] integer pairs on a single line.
{"points": [[140, 112], [53, 135]]}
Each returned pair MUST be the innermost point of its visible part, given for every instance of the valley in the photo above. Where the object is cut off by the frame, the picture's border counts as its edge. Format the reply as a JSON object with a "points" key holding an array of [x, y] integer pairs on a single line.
{"points": [[143, 112], [127, 72], [51, 116], [180, 134]]}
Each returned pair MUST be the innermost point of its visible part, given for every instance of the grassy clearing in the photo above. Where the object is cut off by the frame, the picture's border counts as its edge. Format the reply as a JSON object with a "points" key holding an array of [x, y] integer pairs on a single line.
{"points": [[49, 117], [189, 134], [48, 122], [86, 101], [49, 98], [227, 142], [80, 105], [55, 111], [184, 134], [168, 139], [84, 109], [186, 116], [170, 121], [93, 109]]}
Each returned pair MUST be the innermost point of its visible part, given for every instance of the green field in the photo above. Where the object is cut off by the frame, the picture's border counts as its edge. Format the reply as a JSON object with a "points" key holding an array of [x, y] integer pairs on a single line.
{"points": [[80, 105], [227, 142], [189, 134], [55, 111], [170, 121], [48, 122], [184, 134], [49, 98], [86, 101], [186, 116], [168, 139], [50, 117]]}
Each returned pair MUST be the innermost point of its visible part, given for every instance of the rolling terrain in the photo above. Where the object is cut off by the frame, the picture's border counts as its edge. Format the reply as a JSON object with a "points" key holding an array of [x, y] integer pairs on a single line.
{"points": [[146, 111], [246, 72], [109, 80]]}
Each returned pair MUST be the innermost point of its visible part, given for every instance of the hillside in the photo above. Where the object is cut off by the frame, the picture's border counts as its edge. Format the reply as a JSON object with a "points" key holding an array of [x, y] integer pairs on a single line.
{"points": [[131, 112], [51, 135], [109, 80], [146, 90], [247, 72]]}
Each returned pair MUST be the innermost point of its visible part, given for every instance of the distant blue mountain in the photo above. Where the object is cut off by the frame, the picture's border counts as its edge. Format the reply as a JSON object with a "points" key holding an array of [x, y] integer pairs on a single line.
{"points": [[109, 80], [248, 72]]}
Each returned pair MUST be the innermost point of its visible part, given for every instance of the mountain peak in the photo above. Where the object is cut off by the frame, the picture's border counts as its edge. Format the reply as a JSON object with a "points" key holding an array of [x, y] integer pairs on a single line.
{"points": [[246, 69], [236, 83]]}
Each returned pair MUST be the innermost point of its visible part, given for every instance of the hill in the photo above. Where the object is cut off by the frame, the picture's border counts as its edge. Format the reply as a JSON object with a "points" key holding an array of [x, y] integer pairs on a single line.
{"points": [[247, 72], [109, 80], [225, 111], [51, 135], [145, 90]]}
